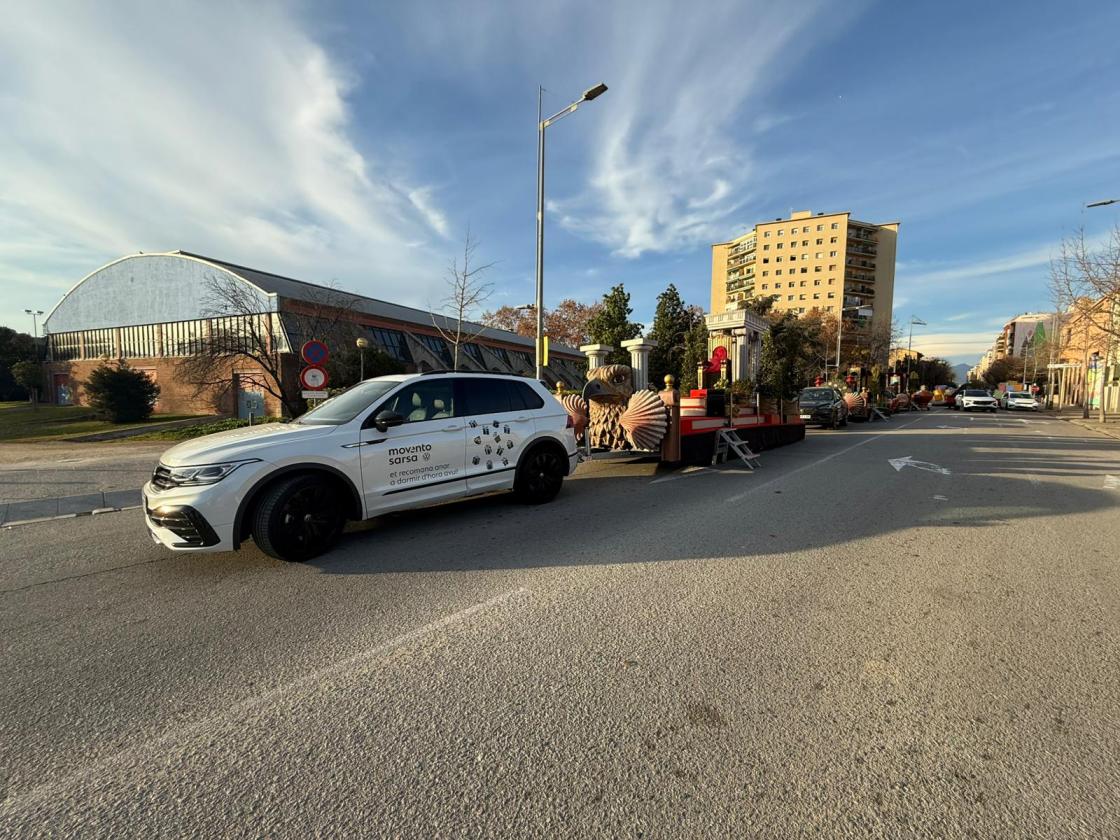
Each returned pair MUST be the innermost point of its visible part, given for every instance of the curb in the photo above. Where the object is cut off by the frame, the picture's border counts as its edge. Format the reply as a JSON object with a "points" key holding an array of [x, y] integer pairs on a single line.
{"points": [[97, 512], [1093, 426], [67, 507]]}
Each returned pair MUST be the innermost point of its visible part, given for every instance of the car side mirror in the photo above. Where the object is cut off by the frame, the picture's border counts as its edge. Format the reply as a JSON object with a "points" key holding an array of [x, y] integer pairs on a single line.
{"points": [[385, 419]]}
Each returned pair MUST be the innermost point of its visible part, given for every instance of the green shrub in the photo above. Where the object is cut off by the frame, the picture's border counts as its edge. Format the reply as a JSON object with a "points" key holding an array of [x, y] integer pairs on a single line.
{"points": [[120, 394]]}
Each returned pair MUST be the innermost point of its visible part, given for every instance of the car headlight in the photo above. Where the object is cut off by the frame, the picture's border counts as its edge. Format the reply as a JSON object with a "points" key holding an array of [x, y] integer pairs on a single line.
{"points": [[203, 473]]}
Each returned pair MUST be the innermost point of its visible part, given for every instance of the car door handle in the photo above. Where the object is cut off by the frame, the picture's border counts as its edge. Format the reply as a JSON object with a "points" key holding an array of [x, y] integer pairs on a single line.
{"points": [[452, 428], [520, 419], [362, 443]]}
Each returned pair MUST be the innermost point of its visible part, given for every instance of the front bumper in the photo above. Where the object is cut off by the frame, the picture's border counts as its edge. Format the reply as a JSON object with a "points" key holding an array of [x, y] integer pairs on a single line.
{"points": [[817, 414], [185, 519]]}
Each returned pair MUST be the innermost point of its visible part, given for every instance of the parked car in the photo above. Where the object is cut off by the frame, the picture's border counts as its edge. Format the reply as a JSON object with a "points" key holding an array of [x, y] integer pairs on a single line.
{"points": [[974, 399], [823, 405], [389, 443], [1018, 400]]}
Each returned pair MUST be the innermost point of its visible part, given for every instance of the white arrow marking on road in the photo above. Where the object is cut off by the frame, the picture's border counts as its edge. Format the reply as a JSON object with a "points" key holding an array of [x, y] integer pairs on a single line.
{"points": [[941, 498], [1112, 482], [899, 463]]}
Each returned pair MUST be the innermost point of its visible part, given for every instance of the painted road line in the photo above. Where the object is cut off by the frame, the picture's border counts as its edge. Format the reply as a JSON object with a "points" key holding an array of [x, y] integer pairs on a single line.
{"points": [[740, 496], [901, 463], [49, 792], [941, 498], [1112, 482]]}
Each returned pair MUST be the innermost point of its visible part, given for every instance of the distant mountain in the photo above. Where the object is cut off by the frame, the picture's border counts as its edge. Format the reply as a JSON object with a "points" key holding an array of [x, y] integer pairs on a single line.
{"points": [[960, 373]]}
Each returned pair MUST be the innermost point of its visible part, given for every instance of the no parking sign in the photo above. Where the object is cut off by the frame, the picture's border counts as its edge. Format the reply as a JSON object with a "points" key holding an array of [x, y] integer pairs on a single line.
{"points": [[314, 352]]}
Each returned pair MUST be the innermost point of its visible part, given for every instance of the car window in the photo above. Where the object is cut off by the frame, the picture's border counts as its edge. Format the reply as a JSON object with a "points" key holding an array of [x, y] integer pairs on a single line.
{"points": [[485, 396], [349, 404], [818, 394], [425, 400], [974, 393], [523, 397]]}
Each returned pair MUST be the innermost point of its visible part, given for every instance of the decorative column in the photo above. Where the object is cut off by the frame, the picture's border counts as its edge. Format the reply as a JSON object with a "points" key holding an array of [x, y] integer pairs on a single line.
{"points": [[639, 360], [596, 354]]}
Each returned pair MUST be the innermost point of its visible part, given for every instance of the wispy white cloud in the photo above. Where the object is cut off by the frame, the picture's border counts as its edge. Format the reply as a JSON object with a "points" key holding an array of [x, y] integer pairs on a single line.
{"points": [[137, 126], [953, 345], [669, 172]]}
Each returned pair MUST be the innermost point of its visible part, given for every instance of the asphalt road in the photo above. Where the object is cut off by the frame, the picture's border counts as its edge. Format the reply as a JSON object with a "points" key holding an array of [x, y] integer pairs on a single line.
{"points": [[827, 647]]}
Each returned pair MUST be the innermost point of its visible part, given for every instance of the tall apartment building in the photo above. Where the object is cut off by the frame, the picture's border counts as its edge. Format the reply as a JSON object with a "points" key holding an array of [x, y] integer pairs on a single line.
{"points": [[810, 263]]}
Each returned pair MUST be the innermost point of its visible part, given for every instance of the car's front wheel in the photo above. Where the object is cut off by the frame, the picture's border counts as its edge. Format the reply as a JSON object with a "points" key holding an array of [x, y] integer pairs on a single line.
{"points": [[540, 475], [298, 519]]}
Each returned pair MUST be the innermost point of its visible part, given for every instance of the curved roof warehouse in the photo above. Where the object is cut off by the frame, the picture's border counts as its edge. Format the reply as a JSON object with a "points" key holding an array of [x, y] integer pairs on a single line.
{"points": [[157, 310]]}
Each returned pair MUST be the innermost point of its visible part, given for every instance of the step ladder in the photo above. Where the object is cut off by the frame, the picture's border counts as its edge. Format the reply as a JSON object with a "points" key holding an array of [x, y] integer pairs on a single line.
{"points": [[728, 441]]}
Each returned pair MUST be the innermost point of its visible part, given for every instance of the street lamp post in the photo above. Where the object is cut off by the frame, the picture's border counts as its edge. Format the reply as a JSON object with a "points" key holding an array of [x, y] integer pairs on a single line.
{"points": [[542, 124], [34, 313], [362, 344], [910, 347]]}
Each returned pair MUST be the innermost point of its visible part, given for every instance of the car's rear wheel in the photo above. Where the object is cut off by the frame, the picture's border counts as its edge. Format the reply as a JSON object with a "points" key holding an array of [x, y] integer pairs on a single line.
{"points": [[299, 519], [540, 475]]}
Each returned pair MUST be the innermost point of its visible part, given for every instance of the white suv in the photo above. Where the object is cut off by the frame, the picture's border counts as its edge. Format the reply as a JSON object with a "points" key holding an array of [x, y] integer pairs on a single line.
{"points": [[386, 444]]}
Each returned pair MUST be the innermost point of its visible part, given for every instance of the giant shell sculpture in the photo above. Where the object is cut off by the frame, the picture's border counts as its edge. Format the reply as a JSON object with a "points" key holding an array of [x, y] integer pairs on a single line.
{"points": [[576, 406], [645, 420]]}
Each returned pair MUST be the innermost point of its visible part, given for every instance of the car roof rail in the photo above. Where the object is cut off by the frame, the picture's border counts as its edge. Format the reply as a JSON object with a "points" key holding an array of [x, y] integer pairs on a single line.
{"points": [[471, 372]]}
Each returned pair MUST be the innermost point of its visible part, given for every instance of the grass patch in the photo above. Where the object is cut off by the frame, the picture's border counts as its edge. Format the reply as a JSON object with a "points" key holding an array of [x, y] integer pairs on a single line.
{"points": [[189, 432], [20, 422]]}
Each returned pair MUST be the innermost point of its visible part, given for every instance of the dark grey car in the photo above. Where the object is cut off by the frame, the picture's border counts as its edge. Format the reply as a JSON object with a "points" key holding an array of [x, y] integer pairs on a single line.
{"points": [[823, 405]]}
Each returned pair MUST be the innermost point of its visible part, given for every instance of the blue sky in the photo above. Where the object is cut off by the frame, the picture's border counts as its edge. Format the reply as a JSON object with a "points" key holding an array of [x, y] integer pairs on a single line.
{"points": [[355, 142]]}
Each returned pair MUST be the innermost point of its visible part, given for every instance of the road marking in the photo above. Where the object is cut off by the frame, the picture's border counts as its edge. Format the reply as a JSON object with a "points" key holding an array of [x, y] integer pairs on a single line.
{"points": [[740, 496], [908, 461], [49, 792], [1112, 482], [941, 498]]}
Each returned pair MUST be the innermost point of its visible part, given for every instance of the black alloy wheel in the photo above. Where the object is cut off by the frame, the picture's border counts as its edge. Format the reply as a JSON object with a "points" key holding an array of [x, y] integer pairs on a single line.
{"points": [[540, 475], [299, 519]]}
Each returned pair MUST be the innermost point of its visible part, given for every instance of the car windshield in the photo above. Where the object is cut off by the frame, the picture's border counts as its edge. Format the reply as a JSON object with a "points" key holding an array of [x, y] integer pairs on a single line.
{"points": [[1020, 397], [817, 394], [349, 404], [972, 393]]}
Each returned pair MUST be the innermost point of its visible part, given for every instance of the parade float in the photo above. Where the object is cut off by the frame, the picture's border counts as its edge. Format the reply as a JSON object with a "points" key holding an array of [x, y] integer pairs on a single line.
{"points": [[617, 411]]}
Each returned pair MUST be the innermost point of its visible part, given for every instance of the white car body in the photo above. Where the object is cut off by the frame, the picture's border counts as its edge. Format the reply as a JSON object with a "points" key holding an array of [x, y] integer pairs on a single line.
{"points": [[1013, 400], [425, 460], [971, 399]]}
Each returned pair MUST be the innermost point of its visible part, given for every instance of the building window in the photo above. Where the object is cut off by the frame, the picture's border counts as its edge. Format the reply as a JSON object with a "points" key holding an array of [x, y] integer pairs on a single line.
{"points": [[801, 311], [836, 226], [816, 268], [832, 267], [766, 259], [781, 245], [779, 259], [766, 234], [820, 241], [392, 342], [801, 297], [765, 286], [778, 271], [789, 297], [820, 227], [832, 294], [780, 231], [437, 345], [804, 269], [832, 253], [766, 274], [804, 243], [765, 247], [816, 282], [792, 257], [832, 239], [816, 295]]}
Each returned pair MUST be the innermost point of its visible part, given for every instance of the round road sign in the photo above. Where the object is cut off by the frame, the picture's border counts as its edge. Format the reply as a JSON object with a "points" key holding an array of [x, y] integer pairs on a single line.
{"points": [[313, 378], [314, 352]]}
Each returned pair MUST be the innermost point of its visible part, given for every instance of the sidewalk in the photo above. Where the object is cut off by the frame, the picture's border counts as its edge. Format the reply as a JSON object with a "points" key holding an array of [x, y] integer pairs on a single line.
{"points": [[56, 478], [1110, 427]]}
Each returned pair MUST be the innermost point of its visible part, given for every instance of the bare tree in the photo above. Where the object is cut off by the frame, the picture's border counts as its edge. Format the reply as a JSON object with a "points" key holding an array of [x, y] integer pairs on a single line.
{"points": [[238, 328], [466, 292], [1085, 285]]}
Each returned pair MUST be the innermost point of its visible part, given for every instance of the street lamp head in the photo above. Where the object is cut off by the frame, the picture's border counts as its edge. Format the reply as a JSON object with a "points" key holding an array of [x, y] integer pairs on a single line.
{"points": [[1103, 203], [918, 321], [362, 343], [593, 92]]}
